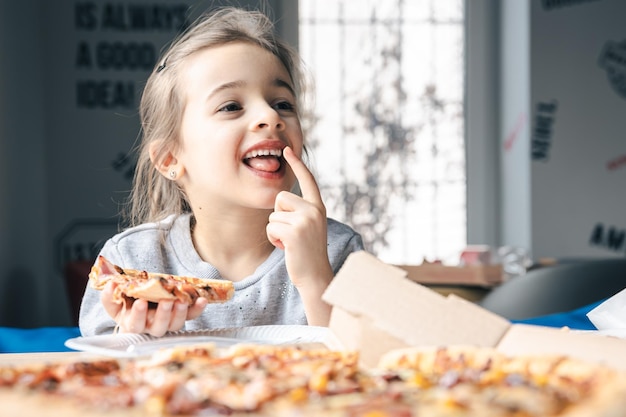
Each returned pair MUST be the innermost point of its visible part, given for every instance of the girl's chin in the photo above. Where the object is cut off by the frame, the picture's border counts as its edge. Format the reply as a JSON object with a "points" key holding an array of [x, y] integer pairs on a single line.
{"points": [[265, 198], [266, 203]]}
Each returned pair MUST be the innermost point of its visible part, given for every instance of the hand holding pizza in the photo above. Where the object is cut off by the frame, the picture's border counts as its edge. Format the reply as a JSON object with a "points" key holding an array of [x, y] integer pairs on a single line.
{"points": [[135, 315], [129, 294], [298, 225]]}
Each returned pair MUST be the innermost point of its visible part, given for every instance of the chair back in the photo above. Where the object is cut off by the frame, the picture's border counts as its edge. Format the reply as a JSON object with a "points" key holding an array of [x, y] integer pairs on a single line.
{"points": [[557, 288]]}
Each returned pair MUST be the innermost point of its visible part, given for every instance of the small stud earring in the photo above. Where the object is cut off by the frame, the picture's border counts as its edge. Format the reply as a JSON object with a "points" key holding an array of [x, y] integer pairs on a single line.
{"points": [[172, 174]]}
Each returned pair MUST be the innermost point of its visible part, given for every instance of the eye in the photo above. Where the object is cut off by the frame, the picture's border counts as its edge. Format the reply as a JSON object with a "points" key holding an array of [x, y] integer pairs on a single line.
{"points": [[230, 107], [284, 106]]}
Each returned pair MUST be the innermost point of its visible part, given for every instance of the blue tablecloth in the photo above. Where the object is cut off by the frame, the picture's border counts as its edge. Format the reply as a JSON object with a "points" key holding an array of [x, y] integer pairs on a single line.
{"points": [[42, 339], [575, 319], [52, 339]]}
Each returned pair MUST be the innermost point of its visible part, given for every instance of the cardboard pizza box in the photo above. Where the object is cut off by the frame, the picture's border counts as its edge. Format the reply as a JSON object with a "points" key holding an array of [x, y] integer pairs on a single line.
{"points": [[376, 308], [486, 276]]}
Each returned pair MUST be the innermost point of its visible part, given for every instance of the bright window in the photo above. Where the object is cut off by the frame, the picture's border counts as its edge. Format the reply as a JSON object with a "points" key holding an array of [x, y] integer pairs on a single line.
{"points": [[387, 128]]}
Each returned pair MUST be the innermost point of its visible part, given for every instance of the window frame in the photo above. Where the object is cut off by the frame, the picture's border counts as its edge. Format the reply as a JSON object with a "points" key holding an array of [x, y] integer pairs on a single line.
{"points": [[480, 108], [482, 149]]}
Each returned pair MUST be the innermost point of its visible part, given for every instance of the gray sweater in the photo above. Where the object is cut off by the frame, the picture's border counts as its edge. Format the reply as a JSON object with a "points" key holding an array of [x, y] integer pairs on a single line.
{"points": [[265, 297]]}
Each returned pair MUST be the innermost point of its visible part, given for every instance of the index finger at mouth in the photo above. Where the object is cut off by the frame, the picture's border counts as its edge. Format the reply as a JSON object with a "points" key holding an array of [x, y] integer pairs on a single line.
{"points": [[308, 185]]}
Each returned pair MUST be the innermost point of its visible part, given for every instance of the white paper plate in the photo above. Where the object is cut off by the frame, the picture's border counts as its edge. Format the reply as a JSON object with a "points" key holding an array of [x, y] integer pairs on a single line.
{"points": [[125, 345]]}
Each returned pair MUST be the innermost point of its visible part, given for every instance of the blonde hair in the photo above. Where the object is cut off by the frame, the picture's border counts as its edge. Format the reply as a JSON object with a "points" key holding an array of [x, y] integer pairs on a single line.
{"points": [[154, 197]]}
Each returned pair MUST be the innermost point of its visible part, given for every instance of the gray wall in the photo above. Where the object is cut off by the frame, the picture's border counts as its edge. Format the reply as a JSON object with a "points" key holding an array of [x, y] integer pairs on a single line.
{"points": [[27, 288], [562, 143]]}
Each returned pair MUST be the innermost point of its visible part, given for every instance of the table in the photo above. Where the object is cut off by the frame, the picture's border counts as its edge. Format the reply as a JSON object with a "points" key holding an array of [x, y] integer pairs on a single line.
{"points": [[52, 339]]}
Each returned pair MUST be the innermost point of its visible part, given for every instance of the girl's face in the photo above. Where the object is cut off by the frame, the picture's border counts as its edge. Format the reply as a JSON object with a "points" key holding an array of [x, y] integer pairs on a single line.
{"points": [[240, 113]]}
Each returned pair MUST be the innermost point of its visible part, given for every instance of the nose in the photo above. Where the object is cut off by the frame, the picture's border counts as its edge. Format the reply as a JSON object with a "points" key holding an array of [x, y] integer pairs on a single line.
{"points": [[266, 117]]}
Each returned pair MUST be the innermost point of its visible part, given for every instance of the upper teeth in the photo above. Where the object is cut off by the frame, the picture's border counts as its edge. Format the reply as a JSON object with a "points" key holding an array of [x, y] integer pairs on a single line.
{"points": [[264, 152]]}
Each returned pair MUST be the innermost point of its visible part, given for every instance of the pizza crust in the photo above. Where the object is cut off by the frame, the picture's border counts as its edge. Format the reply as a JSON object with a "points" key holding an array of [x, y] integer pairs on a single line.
{"points": [[431, 359], [590, 389]]}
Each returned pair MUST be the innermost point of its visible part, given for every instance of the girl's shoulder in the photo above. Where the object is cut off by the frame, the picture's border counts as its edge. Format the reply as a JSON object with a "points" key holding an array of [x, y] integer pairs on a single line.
{"points": [[342, 240], [153, 237], [337, 228], [343, 237], [145, 229], [148, 246]]}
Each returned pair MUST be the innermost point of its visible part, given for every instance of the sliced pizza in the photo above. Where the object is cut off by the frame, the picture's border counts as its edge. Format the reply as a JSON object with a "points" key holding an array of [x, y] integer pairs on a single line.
{"points": [[155, 287]]}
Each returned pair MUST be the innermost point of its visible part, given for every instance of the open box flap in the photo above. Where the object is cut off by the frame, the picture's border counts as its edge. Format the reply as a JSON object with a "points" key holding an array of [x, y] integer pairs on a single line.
{"points": [[366, 286]]}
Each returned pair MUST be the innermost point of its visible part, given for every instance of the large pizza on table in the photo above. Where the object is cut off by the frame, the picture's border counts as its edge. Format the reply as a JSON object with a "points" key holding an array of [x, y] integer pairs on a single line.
{"points": [[267, 380]]}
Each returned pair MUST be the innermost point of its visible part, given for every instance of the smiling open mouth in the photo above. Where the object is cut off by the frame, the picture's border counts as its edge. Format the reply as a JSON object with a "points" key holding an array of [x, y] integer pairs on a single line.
{"points": [[266, 160]]}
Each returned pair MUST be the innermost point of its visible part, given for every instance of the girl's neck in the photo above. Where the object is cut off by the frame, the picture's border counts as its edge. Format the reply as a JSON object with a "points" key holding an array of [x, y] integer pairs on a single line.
{"points": [[235, 245]]}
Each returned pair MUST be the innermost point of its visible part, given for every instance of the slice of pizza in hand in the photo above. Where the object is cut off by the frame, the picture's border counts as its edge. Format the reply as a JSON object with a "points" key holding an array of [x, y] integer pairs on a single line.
{"points": [[155, 287]]}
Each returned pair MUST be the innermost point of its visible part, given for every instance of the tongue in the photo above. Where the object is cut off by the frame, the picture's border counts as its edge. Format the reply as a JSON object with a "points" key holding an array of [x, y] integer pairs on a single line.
{"points": [[264, 163]]}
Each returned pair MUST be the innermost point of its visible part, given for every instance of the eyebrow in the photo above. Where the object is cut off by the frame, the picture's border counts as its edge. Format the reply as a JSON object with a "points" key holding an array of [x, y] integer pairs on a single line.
{"points": [[282, 83], [238, 84], [226, 86]]}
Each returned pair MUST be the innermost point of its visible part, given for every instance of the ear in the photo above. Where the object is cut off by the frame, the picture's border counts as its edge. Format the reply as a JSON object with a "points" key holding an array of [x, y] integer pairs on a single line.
{"points": [[165, 161]]}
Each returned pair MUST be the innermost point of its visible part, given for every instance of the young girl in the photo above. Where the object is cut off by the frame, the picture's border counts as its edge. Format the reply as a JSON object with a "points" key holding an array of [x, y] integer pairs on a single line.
{"points": [[211, 198]]}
